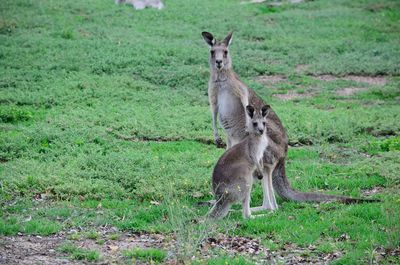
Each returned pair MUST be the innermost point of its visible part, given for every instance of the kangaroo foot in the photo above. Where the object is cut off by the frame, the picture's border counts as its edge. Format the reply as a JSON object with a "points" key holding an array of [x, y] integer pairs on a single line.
{"points": [[261, 208]]}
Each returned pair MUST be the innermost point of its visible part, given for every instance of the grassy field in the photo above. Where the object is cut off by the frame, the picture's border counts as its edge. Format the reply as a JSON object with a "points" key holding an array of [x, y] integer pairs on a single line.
{"points": [[86, 85]]}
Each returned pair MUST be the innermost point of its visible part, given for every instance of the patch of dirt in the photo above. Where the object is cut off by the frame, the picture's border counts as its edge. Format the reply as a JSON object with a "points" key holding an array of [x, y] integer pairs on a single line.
{"points": [[301, 68], [373, 191], [233, 246], [382, 253], [300, 142], [381, 132], [326, 78], [252, 2], [144, 138], [349, 91], [377, 7], [30, 250], [292, 255], [371, 80], [111, 251], [291, 95], [271, 79], [288, 254]]}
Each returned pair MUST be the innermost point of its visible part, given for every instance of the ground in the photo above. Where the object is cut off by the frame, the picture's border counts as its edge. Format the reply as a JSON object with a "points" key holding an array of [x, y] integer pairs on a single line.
{"points": [[106, 142]]}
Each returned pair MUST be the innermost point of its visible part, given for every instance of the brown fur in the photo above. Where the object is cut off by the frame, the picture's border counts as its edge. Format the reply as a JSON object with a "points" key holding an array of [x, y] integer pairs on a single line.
{"points": [[232, 178], [234, 124]]}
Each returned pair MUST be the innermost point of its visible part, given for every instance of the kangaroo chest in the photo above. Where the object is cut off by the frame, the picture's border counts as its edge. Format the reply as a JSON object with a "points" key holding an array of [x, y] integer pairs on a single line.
{"points": [[261, 148], [229, 107]]}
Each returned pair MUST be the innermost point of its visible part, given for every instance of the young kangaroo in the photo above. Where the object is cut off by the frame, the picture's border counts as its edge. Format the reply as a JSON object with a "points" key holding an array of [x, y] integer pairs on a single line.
{"points": [[232, 178], [228, 97]]}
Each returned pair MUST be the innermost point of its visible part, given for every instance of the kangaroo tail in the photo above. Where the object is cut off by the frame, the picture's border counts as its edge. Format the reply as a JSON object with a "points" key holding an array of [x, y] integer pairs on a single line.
{"points": [[220, 208], [282, 187]]}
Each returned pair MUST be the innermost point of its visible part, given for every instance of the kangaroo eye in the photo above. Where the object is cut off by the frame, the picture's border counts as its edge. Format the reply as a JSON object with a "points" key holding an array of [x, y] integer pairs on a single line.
{"points": [[212, 53], [225, 53], [264, 123], [255, 124]]}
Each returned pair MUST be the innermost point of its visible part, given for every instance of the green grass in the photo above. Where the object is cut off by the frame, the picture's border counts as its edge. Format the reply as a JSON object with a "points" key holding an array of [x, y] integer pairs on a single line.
{"points": [[149, 254], [77, 253], [226, 260], [113, 236], [75, 75], [36, 226], [92, 235]]}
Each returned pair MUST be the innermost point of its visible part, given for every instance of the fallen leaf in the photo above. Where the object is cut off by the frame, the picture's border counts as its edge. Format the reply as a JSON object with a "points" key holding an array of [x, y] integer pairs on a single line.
{"points": [[113, 248], [344, 237], [154, 202], [197, 195]]}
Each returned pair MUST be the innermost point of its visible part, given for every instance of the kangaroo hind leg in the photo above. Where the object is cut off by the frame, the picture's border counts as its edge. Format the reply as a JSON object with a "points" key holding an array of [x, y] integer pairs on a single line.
{"points": [[271, 194], [246, 206]]}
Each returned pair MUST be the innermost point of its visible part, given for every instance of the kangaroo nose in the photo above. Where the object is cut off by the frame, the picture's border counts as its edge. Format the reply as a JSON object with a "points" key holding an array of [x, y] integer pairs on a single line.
{"points": [[261, 131], [219, 62]]}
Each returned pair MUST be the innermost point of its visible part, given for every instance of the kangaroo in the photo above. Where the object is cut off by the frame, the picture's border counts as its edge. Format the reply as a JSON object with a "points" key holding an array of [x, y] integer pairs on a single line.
{"points": [[142, 4], [232, 178], [228, 96]]}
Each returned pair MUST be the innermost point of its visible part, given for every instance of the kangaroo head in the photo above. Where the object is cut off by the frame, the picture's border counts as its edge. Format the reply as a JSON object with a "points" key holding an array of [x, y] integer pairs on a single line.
{"points": [[219, 54], [256, 119]]}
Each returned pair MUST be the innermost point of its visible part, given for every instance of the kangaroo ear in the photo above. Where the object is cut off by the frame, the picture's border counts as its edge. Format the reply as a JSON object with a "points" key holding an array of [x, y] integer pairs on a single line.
{"points": [[228, 39], [265, 110], [208, 37], [250, 111]]}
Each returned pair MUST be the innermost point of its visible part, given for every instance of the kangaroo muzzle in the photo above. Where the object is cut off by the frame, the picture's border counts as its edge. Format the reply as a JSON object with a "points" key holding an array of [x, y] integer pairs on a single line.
{"points": [[219, 64]]}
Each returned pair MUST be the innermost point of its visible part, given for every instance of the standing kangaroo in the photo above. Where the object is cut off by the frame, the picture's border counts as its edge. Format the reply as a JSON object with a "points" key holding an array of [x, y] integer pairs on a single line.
{"points": [[233, 174], [228, 96]]}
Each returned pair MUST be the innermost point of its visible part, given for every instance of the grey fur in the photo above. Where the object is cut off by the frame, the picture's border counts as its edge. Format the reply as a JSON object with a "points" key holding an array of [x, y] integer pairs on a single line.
{"points": [[142, 4], [228, 96], [232, 178]]}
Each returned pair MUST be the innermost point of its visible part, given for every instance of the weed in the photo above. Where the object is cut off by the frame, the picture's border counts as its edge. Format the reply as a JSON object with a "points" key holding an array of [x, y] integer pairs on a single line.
{"points": [[75, 236], [384, 145], [92, 235], [79, 253], [114, 236], [100, 242], [14, 114], [149, 254]]}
